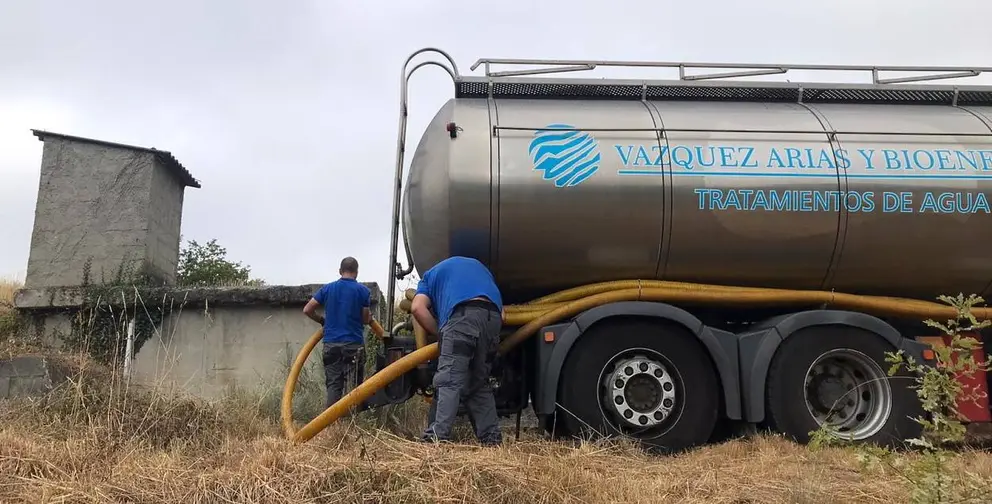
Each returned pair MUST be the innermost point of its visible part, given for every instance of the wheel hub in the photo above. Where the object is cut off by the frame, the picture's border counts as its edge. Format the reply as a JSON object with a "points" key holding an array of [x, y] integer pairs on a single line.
{"points": [[640, 391], [848, 393]]}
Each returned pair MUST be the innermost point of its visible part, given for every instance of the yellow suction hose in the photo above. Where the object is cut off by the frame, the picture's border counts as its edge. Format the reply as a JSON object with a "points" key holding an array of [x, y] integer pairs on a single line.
{"points": [[530, 317], [286, 408]]}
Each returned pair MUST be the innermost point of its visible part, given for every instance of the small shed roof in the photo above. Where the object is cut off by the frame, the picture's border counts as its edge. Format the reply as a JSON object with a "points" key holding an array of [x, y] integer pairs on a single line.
{"points": [[165, 157]]}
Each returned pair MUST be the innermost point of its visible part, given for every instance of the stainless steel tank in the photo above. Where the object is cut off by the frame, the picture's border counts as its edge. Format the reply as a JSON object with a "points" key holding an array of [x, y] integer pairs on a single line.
{"points": [[884, 199]]}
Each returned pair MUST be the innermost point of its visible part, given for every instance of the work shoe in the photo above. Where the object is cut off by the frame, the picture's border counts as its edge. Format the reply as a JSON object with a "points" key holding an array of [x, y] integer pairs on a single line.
{"points": [[429, 438]]}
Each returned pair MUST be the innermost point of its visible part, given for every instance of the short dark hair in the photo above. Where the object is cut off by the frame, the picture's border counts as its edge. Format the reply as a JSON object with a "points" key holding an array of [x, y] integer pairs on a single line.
{"points": [[349, 265]]}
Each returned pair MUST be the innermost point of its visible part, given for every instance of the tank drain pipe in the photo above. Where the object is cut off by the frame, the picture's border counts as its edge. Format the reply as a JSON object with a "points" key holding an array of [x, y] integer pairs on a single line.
{"points": [[406, 324]]}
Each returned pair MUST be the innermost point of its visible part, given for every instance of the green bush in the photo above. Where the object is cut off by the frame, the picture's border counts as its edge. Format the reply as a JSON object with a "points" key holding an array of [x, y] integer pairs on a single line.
{"points": [[928, 473]]}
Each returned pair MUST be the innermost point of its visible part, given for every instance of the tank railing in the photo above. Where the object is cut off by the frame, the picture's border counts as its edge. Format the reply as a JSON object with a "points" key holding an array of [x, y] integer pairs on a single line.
{"points": [[396, 269], [744, 69], [540, 71], [829, 133]]}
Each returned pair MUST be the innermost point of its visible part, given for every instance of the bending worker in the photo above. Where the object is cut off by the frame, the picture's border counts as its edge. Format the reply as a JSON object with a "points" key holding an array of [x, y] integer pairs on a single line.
{"points": [[467, 303], [346, 310]]}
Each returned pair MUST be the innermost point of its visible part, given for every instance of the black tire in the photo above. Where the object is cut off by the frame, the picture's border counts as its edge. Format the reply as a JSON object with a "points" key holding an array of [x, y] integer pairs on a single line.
{"points": [[555, 427], [694, 416], [785, 400]]}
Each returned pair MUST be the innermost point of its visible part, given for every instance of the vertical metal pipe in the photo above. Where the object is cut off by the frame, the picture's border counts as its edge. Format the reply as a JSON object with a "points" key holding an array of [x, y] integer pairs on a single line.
{"points": [[129, 349], [395, 269], [397, 183]]}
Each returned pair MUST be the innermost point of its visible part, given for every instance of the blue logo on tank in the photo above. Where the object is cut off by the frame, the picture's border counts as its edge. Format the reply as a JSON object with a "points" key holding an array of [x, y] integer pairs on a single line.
{"points": [[566, 157]]}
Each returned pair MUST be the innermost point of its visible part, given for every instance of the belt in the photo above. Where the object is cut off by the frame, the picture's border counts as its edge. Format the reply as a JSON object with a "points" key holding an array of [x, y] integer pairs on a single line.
{"points": [[477, 303]]}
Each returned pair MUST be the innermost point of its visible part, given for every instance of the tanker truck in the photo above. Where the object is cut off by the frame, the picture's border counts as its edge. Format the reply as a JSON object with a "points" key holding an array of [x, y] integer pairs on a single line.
{"points": [[678, 255]]}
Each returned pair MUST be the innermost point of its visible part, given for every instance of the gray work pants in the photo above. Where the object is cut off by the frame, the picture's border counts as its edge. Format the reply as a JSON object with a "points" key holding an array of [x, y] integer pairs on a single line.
{"points": [[339, 363], [469, 341]]}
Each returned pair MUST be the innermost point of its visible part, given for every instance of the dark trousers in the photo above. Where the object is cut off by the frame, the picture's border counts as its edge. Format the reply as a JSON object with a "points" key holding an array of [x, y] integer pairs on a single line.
{"points": [[340, 363], [469, 341]]}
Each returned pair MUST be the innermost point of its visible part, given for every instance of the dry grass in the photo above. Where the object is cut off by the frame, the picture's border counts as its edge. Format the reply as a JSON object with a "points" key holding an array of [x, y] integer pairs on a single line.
{"points": [[91, 442], [358, 466], [352, 465], [95, 440], [7, 288], [8, 316]]}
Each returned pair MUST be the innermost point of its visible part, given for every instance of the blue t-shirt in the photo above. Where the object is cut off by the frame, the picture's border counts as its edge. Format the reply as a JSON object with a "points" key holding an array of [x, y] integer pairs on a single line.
{"points": [[343, 300], [454, 280]]}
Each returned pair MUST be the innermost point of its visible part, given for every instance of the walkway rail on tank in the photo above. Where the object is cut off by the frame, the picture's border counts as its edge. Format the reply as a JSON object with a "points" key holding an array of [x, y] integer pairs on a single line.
{"points": [[700, 251]]}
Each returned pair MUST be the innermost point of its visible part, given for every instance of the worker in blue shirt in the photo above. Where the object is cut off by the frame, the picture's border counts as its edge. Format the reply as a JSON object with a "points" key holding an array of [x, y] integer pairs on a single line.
{"points": [[346, 310], [458, 301]]}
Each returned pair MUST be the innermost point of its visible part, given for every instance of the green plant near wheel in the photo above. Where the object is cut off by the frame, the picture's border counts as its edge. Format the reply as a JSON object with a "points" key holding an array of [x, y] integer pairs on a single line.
{"points": [[927, 473]]}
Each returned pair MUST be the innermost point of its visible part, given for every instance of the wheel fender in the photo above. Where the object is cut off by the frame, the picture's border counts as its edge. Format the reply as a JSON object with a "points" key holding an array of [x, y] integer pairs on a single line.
{"points": [[720, 345], [759, 346]]}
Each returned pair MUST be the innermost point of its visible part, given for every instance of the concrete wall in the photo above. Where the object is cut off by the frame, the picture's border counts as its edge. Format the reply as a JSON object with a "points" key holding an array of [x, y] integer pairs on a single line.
{"points": [[205, 353], [206, 349], [212, 340], [29, 376], [92, 202], [165, 214]]}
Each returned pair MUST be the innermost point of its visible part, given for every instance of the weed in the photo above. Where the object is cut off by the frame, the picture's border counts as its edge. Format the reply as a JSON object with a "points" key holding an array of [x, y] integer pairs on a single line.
{"points": [[928, 474], [10, 321]]}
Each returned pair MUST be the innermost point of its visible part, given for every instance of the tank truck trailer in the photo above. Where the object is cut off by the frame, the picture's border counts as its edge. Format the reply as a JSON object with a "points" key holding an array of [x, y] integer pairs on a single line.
{"points": [[802, 211]]}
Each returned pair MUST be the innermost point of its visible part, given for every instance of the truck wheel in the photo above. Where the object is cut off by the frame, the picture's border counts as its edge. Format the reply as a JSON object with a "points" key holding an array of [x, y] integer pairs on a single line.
{"points": [[836, 377], [555, 427], [642, 379]]}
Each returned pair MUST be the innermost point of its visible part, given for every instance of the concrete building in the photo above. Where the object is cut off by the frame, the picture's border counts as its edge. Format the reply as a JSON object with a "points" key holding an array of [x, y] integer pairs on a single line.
{"points": [[105, 211], [105, 208]]}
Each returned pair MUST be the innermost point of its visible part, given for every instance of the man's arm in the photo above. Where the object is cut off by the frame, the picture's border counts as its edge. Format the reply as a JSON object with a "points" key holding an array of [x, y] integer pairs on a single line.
{"points": [[421, 310], [318, 299], [366, 303], [310, 310]]}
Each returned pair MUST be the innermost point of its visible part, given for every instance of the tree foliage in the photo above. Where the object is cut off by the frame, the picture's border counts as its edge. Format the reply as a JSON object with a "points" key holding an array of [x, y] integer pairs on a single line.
{"points": [[207, 265]]}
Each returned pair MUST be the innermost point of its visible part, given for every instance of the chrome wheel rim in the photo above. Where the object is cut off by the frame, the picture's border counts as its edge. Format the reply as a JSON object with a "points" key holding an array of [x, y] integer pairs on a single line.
{"points": [[848, 394], [640, 391]]}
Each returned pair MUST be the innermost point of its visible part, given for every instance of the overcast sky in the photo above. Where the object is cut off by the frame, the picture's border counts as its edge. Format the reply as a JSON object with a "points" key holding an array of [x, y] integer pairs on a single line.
{"points": [[287, 111]]}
